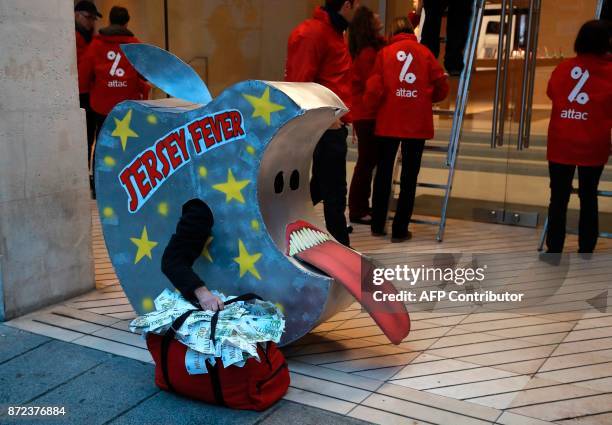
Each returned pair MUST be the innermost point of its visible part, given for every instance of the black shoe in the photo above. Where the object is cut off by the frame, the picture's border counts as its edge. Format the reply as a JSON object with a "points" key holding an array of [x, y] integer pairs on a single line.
{"points": [[403, 238], [454, 72], [365, 219], [550, 258], [379, 233]]}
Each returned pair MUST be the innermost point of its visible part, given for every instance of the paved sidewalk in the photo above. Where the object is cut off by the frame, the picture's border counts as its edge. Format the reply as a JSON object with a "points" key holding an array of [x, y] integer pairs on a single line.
{"points": [[100, 388]]}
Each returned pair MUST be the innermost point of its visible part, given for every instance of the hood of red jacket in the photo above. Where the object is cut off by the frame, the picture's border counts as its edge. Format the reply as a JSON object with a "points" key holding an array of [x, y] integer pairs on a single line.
{"points": [[116, 39], [403, 36], [321, 14], [337, 21]]}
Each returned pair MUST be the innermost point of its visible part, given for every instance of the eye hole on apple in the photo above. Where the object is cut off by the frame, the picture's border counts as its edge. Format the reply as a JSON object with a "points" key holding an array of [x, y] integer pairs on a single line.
{"points": [[279, 182], [294, 180]]}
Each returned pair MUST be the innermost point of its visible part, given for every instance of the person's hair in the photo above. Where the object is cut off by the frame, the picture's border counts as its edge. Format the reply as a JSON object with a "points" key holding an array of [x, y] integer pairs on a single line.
{"points": [[336, 5], [401, 25], [362, 32], [119, 15], [593, 37]]}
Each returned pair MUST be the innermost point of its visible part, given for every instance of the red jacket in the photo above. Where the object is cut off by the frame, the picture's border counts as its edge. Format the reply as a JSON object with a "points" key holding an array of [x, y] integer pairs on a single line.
{"points": [[111, 77], [581, 117], [361, 70], [317, 52], [405, 106], [81, 47]]}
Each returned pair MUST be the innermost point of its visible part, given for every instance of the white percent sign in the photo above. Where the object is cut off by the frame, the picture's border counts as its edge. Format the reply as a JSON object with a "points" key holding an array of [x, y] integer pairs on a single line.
{"points": [[115, 70], [406, 76], [576, 94]]}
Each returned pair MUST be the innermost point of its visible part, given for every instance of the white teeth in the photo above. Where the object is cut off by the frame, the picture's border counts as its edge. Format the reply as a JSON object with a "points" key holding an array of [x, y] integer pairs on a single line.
{"points": [[304, 239]]}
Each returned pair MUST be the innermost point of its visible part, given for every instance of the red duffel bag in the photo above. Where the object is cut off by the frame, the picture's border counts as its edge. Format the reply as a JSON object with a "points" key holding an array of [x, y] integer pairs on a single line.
{"points": [[255, 386]]}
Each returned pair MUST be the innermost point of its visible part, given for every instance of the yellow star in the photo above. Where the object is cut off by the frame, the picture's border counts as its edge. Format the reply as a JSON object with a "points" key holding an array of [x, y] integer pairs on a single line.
{"points": [[206, 250], [123, 130], [163, 209], [247, 261], [108, 212], [145, 246], [109, 161], [262, 106], [147, 304], [232, 188]]}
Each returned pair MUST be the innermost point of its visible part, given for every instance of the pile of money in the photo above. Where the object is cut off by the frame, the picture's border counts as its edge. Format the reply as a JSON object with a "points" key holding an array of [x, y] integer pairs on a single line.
{"points": [[240, 327]]}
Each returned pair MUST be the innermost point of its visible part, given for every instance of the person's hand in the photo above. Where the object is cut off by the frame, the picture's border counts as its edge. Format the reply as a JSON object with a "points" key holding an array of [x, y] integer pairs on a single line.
{"points": [[207, 300], [336, 125]]}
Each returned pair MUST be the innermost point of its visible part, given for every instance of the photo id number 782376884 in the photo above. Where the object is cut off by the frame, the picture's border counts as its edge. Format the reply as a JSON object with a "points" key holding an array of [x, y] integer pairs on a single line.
{"points": [[36, 411]]}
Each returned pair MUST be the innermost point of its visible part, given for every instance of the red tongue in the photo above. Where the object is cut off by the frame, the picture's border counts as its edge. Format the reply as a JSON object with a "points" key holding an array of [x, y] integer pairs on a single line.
{"points": [[345, 266]]}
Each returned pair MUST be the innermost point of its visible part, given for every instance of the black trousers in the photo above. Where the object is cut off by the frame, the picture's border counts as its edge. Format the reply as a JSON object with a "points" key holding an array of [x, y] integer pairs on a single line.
{"points": [[412, 153], [561, 176], [328, 182], [361, 184], [91, 125], [457, 29]]}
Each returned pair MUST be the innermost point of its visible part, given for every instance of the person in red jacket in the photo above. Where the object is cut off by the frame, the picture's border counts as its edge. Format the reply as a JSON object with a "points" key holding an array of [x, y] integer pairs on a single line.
{"points": [[406, 80], [364, 43], [85, 16], [111, 78], [317, 52], [579, 133]]}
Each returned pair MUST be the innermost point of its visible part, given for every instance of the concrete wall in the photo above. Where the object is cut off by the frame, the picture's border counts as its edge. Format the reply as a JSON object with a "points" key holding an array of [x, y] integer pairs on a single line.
{"points": [[45, 222]]}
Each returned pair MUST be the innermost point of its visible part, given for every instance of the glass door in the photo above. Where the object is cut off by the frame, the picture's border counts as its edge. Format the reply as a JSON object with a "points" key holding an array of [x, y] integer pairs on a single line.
{"points": [[551, 28], [501, 172]]}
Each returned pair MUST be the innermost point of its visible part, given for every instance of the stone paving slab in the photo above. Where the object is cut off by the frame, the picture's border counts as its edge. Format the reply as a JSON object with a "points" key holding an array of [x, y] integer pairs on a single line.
{"points": [[14, 342], [169, 409], [100, 388], [299, 414], [102, 393], [40, 370]]}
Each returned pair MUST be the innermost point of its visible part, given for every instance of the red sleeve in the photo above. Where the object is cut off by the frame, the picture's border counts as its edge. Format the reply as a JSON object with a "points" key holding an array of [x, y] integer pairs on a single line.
{"points": [[364, 63], [86, 67], [374, 92], [81, 45], [438, 79], [303, 58]]}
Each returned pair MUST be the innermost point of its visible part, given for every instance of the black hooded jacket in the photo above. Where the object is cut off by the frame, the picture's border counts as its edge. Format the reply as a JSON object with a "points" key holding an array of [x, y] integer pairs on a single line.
{"points": [[185, 246]]}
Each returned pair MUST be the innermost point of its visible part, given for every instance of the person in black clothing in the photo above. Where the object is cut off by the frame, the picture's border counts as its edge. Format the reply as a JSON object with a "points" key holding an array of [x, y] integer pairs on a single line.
{"points": [[85, 16], [457, 29], [184, 248]]}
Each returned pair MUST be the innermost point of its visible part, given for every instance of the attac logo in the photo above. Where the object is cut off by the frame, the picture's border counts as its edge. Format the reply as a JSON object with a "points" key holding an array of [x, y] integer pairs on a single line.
{"points": [[576, 95], [406, 76], [151, 168]]}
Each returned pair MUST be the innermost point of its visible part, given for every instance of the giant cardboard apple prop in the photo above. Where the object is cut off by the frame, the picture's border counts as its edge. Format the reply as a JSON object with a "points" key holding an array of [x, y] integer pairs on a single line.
{"points": [[247, 154]]}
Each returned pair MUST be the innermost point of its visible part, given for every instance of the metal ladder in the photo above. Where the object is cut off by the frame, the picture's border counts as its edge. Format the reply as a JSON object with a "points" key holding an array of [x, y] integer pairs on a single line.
{"points": [[458, 114]]}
